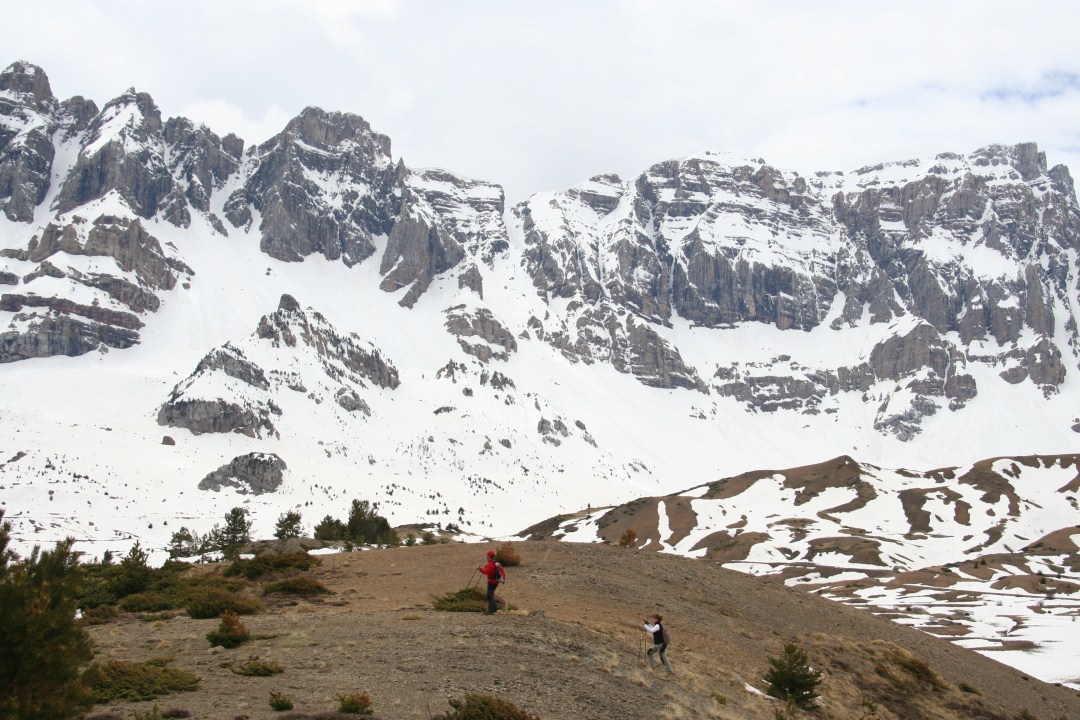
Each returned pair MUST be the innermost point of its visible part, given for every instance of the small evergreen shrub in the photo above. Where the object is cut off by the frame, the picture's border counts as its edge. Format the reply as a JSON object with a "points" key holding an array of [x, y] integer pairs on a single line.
{"points": [[355, 703], [916, 668], [465, 600], [156, 714], [790, 677], [303, 585], [147, 602], [280, 702], [133, 681], [100, 615], [628, 539], [476, 706], [171, 587], [215, 603], [272, 564], [230, 633], [256, 668], [508, 555], [155, 617]]}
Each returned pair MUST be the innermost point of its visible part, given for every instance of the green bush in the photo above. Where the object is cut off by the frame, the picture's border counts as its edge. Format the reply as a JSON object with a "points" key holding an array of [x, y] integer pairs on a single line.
{"points": [[355, 703], [916, 668], [790, 677], [230, 633], [147, 602], [100, 615], [170, 587], [465, 600], [272, 564], [280, 702], [485, 707], [256, 668], [118, 680], [41, 642], [215, 603], [303, 585]]}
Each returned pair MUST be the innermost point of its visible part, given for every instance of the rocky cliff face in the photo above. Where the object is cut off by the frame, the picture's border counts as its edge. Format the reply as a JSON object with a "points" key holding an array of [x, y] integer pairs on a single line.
{"points": [[238, 387], [965, 259], [915, 279], [113, 261], [326, 184]]}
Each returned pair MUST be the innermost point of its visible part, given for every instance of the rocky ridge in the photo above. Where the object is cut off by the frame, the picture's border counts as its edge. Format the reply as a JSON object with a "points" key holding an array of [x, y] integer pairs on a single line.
{"points": [[965, 259], [228, 392]]}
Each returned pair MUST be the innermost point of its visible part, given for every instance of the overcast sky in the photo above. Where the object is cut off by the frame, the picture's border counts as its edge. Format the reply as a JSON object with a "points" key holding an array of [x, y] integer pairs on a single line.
{"points": [[542, 95]]}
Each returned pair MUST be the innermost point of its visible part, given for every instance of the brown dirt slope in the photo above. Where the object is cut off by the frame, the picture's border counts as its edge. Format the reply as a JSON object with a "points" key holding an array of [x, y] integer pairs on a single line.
{"points": [[572, 648]]}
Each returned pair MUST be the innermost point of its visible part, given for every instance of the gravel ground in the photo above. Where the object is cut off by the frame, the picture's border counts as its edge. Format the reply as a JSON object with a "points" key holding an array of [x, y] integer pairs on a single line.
{"points": [[571, 646]]}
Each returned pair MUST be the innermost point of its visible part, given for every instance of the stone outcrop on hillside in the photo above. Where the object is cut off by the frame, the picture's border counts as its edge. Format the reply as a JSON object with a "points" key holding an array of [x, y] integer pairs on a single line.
{"points": [[475, 324], [229, 391], [254, 473], [133, 270], [216, 415]]}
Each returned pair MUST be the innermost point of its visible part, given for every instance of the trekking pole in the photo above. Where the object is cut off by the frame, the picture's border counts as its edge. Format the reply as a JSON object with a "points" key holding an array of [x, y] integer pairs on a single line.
{"points": [[468, 585]]}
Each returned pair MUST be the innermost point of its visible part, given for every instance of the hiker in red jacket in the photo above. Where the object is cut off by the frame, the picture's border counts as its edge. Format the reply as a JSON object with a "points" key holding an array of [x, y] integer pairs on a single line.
{"points": [[495, 575]]}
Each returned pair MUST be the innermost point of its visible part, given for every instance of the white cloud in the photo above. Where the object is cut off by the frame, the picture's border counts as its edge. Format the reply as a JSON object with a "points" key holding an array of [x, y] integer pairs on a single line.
{"points": [[224, 117], [542, 98]]}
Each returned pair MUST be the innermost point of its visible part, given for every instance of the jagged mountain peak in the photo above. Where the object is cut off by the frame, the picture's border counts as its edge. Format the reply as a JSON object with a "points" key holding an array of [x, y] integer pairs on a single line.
{"points": [[325, 129], [22, 78]]}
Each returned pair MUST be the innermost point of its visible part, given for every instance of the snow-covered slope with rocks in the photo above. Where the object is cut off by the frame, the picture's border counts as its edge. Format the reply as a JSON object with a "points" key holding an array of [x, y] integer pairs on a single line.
{"points": [[985, 555], [190, 322]]}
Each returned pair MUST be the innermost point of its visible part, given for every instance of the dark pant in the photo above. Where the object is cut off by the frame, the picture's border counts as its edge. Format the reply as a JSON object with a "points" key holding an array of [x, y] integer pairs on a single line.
{"points": [[492, 606]]}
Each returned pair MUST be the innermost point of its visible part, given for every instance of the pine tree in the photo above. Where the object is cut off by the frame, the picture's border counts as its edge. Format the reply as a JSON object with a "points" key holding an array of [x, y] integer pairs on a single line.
{"points": [[41, 642], [288, 526], [330, 529], [184, 543], [237, 532], [791, 677], [133, 574], [365, 525]]}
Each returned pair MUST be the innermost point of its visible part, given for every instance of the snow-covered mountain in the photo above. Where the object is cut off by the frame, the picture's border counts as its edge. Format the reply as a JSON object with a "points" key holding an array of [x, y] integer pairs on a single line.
{"points": [[314, 321], [189, 323]]}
